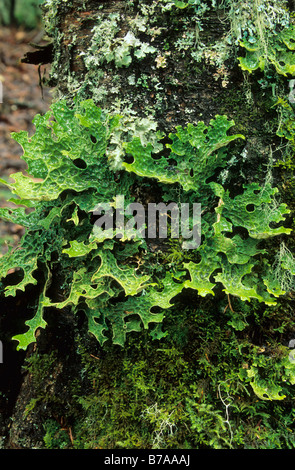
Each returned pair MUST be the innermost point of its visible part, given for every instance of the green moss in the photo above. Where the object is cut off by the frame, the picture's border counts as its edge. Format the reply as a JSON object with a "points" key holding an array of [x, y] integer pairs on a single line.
{"points": [[174, 395], [55, 436]]}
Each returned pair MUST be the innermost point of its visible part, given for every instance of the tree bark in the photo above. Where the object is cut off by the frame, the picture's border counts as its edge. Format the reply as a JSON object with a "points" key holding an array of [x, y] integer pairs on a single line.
{"points": [[160, 68]]}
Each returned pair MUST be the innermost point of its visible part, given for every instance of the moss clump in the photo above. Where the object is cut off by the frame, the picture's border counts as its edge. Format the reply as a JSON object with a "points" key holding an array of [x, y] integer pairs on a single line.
{"points": [[176, 393]]}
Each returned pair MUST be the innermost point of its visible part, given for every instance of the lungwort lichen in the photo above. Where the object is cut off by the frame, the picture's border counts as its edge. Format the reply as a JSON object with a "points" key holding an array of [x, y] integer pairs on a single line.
{"points": [[109, 279]]}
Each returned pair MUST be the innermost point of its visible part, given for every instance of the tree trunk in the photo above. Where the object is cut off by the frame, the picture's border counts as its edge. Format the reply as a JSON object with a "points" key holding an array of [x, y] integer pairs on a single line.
{"points": [[159, 65]]}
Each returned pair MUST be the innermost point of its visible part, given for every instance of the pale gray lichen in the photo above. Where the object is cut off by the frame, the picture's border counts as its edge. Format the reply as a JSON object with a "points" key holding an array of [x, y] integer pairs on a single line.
{"points": [[106, 47], [130, 125]]}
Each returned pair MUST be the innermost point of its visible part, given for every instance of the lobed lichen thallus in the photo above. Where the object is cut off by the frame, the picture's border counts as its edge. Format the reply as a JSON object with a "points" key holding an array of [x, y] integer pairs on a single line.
{"points": [[144, 224]]}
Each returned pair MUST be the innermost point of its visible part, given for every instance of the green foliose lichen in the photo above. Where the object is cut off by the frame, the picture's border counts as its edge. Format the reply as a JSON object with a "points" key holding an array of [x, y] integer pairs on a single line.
{"points": [[70, 175]]}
